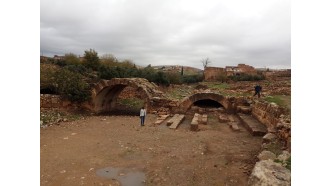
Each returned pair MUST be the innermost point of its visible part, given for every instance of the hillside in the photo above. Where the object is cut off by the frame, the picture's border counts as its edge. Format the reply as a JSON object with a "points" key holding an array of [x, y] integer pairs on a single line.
{"points": [[187, 70]]}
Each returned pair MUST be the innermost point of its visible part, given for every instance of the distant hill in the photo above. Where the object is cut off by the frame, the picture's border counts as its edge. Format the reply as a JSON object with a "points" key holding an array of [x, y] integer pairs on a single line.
{"points": [[176, 68]]}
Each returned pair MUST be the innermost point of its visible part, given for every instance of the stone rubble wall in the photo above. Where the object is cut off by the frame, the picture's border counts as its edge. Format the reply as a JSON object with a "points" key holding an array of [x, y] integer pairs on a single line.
{"points": [[276, 120], [130, 92], [267, 171], [163, 106], [50, 101], [267, 113]]}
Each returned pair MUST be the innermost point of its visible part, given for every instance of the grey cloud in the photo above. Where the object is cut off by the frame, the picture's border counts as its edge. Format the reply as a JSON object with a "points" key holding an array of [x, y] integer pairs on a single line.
{"points": [[170, 32]]}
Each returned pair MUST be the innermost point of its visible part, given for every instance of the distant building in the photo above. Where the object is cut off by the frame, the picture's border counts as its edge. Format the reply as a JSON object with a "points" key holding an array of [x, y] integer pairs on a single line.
{"points": [[213, 73], [56, 57], [216, 73], [240, 69]]}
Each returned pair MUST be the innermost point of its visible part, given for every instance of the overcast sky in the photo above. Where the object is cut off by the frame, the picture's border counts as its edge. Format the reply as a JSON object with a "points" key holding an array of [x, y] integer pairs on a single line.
{"points": [[171, 32]]}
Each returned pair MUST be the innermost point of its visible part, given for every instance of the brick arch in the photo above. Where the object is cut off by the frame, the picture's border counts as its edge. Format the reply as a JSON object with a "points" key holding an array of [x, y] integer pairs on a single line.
{"points": [[105, 93], [187, 102]]}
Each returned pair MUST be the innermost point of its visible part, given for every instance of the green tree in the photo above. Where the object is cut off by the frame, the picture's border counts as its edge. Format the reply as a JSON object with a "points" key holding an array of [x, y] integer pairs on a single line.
{"points": [[71, 85], [108, 73], [91, 59], [160, 78]]}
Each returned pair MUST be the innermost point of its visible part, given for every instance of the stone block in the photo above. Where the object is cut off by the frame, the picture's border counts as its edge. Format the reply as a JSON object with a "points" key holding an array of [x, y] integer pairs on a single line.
{"points": [[204, 119], [284, 156], [244, 109], [269, 137], [266, 155], [177, 120], [170, 121], [267, 172], [223, 118], [234, 126]]}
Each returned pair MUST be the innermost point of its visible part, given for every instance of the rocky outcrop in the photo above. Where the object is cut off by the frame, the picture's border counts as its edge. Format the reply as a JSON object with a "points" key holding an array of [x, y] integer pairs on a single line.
{"points": [[268, 172], [266, 155], [269, 137]]}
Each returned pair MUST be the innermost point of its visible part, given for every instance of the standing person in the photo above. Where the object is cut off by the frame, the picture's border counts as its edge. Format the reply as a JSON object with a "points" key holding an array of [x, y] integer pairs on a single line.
{"points": [[257, 90], [143, 114]]}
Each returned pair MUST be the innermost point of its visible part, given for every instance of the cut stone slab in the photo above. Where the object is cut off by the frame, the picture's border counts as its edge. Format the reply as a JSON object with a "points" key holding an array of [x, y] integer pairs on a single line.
{"points": [[170, 121], [267, 172], [161, 118], [223, 118], [234, 126], [204, 119], [231, 118], [194, 122], [252, 125], [244, 109], [177, 120], [269, 137]]}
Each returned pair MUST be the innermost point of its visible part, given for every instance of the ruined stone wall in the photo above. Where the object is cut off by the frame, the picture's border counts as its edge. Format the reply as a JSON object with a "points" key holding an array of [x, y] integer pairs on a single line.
{"points": [[247, 69], [162, 105], [130, 92], [267, 113], [275, 118], [277, 74], [213, 73], [50, 101]]}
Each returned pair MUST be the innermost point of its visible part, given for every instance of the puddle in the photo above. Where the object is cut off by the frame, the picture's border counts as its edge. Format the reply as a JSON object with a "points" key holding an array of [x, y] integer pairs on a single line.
{"points": [[126, 176]]}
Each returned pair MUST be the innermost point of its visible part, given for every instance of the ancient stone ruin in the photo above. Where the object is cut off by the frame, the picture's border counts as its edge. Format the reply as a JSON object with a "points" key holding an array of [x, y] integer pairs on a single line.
{"points": [[258, 117]]}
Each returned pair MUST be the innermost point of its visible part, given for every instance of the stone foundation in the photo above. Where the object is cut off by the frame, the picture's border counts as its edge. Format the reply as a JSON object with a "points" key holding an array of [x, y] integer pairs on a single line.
{"points": [[275, 119], [50, 101]]}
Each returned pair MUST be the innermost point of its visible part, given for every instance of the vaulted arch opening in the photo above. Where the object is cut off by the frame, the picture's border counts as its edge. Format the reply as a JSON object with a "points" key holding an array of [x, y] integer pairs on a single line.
{"points": [[207, 103]]}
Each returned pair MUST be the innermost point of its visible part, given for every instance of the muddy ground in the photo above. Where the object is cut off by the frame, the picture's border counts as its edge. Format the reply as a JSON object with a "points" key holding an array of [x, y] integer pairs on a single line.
{"points": [[116, 150]]}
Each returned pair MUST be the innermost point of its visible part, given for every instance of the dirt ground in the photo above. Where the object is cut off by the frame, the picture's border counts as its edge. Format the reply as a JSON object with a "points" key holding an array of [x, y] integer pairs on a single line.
{"points": [[82, 152]]}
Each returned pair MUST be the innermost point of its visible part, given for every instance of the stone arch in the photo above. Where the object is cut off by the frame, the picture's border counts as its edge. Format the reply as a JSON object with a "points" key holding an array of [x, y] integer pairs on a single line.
{"points": [[105, 93], [187, 102]]}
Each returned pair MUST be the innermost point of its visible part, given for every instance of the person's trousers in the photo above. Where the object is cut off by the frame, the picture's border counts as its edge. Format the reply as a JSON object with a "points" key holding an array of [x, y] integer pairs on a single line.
{"points": [[257, 93], [142, 120]]}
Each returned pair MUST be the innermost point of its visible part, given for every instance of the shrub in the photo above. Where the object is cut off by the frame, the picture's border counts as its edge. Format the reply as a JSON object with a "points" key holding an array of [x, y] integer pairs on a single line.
{"points": [[77, 69], [71, 85], [247, 77], [192, 78], [174, 78], [161, 79], [72, 59]]}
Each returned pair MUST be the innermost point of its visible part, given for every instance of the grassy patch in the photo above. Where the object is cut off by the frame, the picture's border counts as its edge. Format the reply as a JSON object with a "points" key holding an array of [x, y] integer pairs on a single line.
{"points": [[132, 102], [281, 100], [180, 92], [286, 164], [219, 86]]}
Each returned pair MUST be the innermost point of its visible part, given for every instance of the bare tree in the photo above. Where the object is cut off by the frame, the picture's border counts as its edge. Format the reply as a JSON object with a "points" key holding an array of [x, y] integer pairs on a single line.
{"points": [[206, 62]]}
